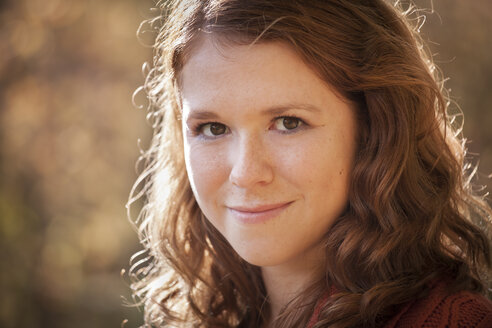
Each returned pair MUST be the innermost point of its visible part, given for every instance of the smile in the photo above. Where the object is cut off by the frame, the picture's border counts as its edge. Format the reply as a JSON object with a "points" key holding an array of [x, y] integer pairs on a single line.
{"points": [[258, 214]]}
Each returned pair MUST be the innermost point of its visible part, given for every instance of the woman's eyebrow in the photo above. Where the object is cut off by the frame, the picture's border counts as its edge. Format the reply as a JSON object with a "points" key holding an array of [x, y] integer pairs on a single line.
{"points": [[204, 114], [280, 109]]}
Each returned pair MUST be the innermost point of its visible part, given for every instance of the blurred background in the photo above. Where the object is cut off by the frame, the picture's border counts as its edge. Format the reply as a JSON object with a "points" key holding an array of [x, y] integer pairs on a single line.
{"points": [[68, 144]]}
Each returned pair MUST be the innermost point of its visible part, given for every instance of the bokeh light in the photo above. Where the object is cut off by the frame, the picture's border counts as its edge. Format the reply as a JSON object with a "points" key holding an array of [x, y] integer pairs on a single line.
{"points": [[68, 136]]}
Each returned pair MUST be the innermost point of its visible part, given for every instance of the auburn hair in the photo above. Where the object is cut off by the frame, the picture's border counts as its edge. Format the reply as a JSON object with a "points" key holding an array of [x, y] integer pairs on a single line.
{"points": [[412, 216]]}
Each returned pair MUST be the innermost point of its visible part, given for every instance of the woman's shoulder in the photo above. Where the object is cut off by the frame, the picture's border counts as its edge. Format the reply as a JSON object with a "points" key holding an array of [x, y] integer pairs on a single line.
{"points": [[440, 309]]}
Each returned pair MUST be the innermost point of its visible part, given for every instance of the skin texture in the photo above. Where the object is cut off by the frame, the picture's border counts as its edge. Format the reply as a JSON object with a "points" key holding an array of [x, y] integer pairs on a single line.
{"points": [[252, 156]]}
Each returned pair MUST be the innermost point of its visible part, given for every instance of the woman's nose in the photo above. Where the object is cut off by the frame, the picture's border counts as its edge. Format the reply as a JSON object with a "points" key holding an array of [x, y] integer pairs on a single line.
{"points": [[250, 163]]}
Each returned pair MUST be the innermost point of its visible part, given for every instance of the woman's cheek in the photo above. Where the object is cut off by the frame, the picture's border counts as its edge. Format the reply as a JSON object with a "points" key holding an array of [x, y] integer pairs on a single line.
{"points": [[206, 167]]}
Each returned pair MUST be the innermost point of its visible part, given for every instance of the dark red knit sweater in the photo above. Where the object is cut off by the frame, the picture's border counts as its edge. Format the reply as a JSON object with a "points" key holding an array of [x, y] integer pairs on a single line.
{"points": [[438, 310]]}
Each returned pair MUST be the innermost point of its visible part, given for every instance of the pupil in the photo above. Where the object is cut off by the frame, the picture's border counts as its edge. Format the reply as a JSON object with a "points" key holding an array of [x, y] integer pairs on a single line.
{"points": [[290, 123], [217, 129]]}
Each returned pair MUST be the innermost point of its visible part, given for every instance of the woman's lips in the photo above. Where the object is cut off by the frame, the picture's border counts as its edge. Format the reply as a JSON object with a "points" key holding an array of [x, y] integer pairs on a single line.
{"points": [[257, 214]]}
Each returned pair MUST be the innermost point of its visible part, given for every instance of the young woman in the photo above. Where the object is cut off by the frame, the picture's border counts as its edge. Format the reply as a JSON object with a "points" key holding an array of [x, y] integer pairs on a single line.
{"points": [[304, 173]]}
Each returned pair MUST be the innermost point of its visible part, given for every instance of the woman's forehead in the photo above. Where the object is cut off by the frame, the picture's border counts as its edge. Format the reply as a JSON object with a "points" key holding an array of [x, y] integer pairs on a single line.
{"points": [[265, 62]]}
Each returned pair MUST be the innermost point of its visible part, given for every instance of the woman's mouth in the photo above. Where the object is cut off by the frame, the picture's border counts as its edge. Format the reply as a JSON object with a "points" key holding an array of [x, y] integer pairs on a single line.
{"points": [[259, 213]]}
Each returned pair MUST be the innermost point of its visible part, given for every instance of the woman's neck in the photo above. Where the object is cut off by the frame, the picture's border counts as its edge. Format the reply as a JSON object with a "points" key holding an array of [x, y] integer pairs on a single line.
{"points": [[285, 281]]}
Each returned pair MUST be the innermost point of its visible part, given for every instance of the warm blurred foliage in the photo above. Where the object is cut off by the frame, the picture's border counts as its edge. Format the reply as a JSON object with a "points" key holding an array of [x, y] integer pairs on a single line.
{"points": [[458, 34], [68, 138]]}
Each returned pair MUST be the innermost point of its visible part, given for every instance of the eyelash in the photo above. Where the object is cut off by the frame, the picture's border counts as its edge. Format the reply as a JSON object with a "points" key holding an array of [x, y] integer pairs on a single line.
{"points": [[197, 129]]}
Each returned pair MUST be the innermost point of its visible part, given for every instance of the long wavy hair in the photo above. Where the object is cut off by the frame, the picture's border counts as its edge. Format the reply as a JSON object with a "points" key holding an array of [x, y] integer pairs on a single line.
{"points": [[412, 215]]}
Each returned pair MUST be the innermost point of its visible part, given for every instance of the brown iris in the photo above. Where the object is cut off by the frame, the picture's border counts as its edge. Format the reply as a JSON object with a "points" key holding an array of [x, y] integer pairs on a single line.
{"points": [[217, 129], [290, 123]]}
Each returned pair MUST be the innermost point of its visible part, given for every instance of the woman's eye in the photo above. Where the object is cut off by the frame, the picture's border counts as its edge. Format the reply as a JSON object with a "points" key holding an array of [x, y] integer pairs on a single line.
{"points": [[213, 129], [287, 123]]}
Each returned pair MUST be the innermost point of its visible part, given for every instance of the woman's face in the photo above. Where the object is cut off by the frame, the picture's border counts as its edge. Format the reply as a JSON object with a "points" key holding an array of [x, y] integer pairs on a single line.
{"points": [[269, 148]]}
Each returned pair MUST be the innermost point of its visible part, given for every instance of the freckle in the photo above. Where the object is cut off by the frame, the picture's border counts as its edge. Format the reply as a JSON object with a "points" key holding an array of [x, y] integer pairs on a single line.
{"points": [[341, 171]]}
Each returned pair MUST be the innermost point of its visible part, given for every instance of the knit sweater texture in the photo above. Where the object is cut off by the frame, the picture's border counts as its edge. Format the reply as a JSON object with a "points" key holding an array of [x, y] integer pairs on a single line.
{"points": [[439, 309]]}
